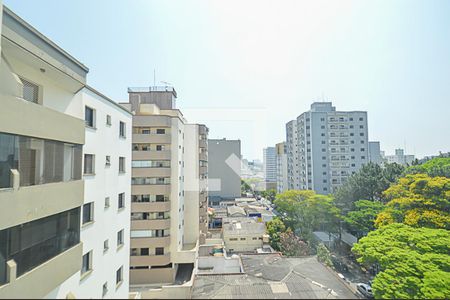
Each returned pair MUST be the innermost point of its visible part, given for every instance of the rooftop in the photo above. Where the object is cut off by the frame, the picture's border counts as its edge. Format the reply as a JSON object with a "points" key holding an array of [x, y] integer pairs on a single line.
{"points": [[147, 89], [271, 276], [239, 228]]}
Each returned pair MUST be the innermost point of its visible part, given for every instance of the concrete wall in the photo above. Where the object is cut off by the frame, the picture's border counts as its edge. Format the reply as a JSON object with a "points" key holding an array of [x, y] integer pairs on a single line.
{"points": [[219, 153]]}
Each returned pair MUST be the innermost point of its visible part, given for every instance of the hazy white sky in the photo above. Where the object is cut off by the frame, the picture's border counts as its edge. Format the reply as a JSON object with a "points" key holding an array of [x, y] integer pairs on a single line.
{"points": [[245, 68]]}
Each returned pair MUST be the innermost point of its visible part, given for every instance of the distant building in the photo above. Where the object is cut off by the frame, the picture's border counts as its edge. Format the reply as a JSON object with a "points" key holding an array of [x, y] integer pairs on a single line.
{"points": [[325, 147], [400, 158], [270, 167], [375, 153], [224, 170], [281, 156]]}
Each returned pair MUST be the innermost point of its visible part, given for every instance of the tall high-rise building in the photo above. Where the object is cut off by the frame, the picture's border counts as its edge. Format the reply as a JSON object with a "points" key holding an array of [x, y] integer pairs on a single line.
{"points": [[325, 146], [224, 170], [169, 187], [270, 167], [282, 173], [64, 226]]}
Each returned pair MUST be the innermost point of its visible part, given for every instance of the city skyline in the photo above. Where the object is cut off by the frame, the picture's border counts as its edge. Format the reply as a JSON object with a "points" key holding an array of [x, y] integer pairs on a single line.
{"points": [[299, 53]]}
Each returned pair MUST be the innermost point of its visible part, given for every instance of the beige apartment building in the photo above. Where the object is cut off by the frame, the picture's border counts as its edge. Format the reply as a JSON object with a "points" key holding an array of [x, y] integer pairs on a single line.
{"points": [[169, 188], [64, 192], [41, 185]]}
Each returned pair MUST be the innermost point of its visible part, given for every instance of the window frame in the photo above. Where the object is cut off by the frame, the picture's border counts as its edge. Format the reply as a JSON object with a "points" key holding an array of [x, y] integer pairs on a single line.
{"points": [[92, 164], [86, 107], [91, 214]]}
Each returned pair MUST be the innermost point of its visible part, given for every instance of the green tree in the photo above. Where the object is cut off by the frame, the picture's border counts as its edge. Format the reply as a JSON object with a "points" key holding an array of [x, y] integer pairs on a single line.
{"points": [[245, 187], [269, 194], [306, 211], [362, 218], [275, 227], [368, 183], [414, 262], [418, 200], [323, 255], [439, 166]]}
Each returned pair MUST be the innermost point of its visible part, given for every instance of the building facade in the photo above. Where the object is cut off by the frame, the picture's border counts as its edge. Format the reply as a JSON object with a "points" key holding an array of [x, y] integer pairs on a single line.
{"points": [[375, 153], [224, 169], [270, 167], [282, 171], [53, 178], [169, 187], [325, 147], [400, 158]]}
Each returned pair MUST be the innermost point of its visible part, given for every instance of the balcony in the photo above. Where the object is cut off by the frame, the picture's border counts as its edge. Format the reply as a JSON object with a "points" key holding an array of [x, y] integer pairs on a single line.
{"points": [[25, 118], [154, 189], [150, 206], [150, 260], [37, 283], [203, 156], [203, 143], [150, 224], [151, 138], [151, 155], [150, 172], [34, 202], [150, 242]]}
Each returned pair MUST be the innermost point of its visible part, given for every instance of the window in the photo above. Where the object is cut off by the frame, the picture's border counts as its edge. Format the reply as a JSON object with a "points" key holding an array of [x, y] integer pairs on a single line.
{"points": [[88, 212], [363, 157], [352, 134], [30, 91], [108, 120], [160, 131], [105, 245], [243, 239], [121, 164], [120, 238], [322, 134], [361, 119], [122, 129], [89, 164], [33, 243], [107, 202], [150, 164], [159, 251], [38, 161], [159, 147], [121, 201], [119, 276], [351, 126], [105, 289], [86, 263], [89, 116], [351, 119], [144, 251], [362, 149], [134, 252], [361, 126], [108, 160]]}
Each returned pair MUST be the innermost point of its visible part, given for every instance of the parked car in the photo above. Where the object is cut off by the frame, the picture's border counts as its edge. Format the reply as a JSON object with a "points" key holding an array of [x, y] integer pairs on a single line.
{"points": [[365, 290]]}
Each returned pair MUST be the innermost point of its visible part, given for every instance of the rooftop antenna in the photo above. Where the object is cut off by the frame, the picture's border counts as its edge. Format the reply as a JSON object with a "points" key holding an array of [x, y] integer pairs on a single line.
{"points": [[154, 77]]}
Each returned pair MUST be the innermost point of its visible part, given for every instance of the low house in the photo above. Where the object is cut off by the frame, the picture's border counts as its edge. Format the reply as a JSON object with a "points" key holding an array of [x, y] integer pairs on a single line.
{"points": [[243, 236]]}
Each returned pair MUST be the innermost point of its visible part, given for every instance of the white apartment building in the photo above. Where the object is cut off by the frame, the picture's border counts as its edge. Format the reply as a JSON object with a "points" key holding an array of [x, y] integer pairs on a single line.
{"points": [[169, 188], [270, 167], [282, 171], [325, 146], [54, 175], [399, 157], [105, 214]]}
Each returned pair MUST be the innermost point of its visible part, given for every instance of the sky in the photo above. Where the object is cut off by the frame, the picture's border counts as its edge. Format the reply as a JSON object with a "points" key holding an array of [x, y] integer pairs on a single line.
{"points": [[246, 68]]}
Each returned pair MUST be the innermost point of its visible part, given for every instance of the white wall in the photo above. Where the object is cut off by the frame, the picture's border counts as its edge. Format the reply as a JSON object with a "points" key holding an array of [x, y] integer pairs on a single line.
{"points": [[107, 182]]}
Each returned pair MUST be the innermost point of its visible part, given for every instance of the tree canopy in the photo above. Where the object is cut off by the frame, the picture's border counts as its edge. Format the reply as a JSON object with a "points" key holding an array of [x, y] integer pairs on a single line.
{"points": [[368, 183], [306, 211], [362, 218], [418, 200], [274, 228], [414, 262], [439, 166]]}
